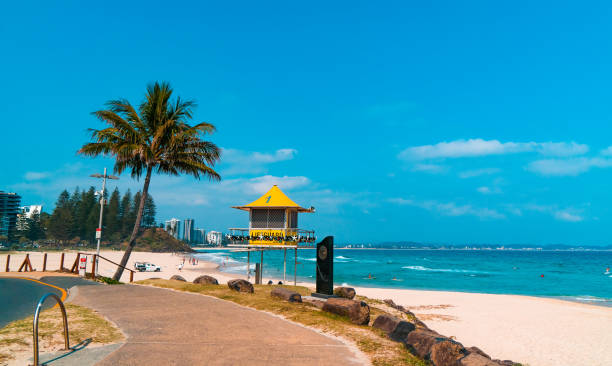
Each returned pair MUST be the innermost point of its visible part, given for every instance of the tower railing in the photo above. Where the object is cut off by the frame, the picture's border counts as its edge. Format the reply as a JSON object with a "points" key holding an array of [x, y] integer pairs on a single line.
{"points": [[271, 236]]}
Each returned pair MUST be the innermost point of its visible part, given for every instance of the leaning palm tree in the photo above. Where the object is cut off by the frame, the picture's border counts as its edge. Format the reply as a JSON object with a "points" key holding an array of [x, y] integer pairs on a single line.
{"points": [[155, 138]]}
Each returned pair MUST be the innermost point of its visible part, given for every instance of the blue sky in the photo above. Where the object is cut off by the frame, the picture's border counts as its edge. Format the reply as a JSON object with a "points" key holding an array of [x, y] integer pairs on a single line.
{"points": [[461, 122]]}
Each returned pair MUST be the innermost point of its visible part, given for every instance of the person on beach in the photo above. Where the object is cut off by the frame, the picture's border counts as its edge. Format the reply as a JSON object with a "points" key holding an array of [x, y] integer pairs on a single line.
{"points": [[180, 267]]}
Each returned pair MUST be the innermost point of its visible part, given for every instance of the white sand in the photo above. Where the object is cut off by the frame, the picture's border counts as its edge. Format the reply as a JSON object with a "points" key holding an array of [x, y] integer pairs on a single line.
{"points": [[532, 330]]}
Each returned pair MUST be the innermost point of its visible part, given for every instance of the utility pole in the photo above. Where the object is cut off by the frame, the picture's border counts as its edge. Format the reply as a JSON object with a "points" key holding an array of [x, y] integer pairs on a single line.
{"points": [[99, 229]]}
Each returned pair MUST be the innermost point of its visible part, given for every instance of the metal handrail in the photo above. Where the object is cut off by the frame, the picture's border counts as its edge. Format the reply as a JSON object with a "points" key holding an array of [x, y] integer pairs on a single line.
{"points": [[118, 265], [35, 323]]}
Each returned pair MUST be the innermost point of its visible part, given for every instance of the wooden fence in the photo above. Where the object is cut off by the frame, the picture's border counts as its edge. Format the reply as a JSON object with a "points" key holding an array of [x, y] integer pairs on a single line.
{"points": [[26, 264]]}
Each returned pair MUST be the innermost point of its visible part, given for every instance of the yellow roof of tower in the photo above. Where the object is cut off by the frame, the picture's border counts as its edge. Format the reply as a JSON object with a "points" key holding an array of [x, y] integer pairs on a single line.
{"points": [[274, 198]]}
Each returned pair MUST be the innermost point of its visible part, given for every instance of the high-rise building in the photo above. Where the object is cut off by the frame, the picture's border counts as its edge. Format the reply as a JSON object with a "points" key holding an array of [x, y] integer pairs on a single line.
{"points": [[214, 238], [188, 230], [173, 227], [198, 236], [26, 213], [9, 209]]}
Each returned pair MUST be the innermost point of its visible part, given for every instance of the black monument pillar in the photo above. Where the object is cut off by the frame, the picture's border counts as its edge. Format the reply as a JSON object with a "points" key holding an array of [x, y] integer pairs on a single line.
{"points": [[325, 266]]}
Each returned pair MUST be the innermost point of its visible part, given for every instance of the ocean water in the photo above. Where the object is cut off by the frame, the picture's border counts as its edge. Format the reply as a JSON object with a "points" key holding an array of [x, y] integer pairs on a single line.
{"points": [[578, 276]]}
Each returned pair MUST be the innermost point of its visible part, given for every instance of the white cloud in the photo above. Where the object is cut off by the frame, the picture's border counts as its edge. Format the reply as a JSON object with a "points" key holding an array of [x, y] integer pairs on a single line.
{"points": [[480, 147], [279, 155], [568, 214], [513, 210], [262, 184], [402, 201], [484, 190], [478, 172], [429, 168], [461, 148], [36, 175], [239, 156], [562, 148], [488, 190], [607, 151], [562, 214], [564, 167], [538, 208], [241, 162], [451, 208], [565, 215]]}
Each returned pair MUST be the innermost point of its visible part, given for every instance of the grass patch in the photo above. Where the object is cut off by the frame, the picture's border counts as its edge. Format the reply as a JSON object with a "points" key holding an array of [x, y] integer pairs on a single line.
{"points": [[378, 347], [108, 280], [83, 323]]}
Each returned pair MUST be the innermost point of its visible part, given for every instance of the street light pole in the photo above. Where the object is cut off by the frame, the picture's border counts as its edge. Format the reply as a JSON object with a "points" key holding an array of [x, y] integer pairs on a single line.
{"points": [[99, 229]]}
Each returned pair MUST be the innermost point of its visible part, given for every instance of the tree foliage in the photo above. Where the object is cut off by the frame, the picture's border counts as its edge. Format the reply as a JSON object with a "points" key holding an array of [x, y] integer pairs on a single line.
{"points": [[77, 215]]}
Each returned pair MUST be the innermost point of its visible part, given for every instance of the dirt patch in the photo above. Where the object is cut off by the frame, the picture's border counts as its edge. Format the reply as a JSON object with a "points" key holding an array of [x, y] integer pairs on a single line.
{"points": [[439, 317]]}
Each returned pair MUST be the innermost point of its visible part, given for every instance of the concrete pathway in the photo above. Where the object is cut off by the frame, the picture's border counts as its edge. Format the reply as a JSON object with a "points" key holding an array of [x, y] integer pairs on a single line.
{"points": [[172, 328]]}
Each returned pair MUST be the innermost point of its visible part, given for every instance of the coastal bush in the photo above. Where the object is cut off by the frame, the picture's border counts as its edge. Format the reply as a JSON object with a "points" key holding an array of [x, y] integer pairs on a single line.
{"points": [[108, 280]]}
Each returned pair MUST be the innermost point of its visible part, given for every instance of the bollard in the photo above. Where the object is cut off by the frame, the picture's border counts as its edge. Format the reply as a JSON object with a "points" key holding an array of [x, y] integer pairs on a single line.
{"points": [[62, 263], [257, 273], [131, 276], [8, 260], [45, 262]]}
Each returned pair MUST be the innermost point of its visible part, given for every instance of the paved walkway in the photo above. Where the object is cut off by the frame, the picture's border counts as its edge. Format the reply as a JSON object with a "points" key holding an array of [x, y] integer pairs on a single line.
{"points": [[171, 328]]}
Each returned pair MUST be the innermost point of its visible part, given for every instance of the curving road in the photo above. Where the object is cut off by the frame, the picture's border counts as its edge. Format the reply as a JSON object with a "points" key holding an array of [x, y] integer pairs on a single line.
{"points": [[166, 327], [19, 295]]}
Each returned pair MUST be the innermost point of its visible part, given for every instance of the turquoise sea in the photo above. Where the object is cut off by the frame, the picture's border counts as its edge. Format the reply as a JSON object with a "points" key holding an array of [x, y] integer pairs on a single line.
{"points": [[572, 275]]}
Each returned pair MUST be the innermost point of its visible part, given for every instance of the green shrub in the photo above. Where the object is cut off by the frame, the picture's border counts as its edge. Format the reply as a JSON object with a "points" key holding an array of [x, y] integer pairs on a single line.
{"points": [[109, 281]]}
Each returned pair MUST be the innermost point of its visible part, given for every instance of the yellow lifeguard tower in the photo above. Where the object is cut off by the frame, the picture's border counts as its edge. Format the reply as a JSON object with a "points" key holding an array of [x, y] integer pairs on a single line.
{"points": [[273, 221]]}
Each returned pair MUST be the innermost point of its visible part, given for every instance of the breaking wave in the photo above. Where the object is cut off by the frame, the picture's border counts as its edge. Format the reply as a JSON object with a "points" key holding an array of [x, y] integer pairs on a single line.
{"points": [[446, 270]]}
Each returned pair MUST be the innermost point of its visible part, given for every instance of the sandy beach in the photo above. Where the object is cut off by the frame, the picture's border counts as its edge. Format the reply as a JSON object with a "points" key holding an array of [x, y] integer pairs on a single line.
{"points": [[536, 331]]}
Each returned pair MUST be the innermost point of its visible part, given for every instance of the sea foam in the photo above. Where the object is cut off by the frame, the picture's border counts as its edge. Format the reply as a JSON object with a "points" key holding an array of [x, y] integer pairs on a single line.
{"points": [[421, 268]]}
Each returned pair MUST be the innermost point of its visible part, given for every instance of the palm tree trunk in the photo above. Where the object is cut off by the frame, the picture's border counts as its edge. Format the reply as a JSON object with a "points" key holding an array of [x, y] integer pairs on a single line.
{"points": [[132, 242]]}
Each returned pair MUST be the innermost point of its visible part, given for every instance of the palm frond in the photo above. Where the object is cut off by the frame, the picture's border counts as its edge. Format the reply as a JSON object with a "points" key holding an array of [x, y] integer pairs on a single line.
{"points": [[157, 135]]}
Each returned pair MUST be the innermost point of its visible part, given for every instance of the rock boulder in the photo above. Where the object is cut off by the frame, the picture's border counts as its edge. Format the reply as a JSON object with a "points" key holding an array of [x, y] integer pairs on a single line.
{"points": [[475, 359], [346, 292], [357, 311], [478, 351], [396, 328], [410, 314], [241, 285], [386, 323], [178, 278], [446, 353], [286, 294], [313, 301], [420, 341], [206, 280]]}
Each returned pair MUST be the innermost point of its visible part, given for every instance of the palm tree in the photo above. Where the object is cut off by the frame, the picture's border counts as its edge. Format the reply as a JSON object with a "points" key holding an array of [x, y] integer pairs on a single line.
{"points": [[156, 137]]}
